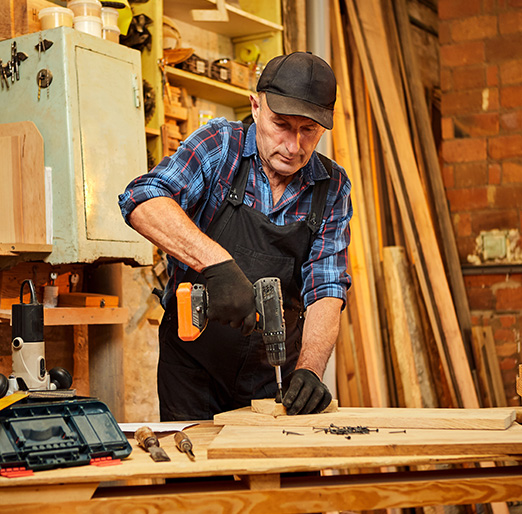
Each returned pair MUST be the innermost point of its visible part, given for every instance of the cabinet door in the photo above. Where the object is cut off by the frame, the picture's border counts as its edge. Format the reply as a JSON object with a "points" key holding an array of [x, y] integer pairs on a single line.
{"points": [[112, 139]]}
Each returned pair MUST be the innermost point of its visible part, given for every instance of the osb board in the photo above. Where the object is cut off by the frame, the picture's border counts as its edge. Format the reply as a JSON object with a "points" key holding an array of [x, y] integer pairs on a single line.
{"points": [[243, 442], [468, 419]]}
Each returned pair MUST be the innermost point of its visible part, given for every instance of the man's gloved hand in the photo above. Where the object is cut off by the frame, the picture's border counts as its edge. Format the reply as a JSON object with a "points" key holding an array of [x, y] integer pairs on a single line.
{"points": [[230, 296], [305, 394]]}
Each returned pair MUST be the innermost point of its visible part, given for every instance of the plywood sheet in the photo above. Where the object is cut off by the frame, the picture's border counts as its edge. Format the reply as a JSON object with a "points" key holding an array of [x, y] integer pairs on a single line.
{"points": [[243, 442], [468, 419]]}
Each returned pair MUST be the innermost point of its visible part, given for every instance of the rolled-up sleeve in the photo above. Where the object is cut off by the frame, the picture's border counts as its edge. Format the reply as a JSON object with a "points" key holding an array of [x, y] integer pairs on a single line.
{"points": [[325, 273]]}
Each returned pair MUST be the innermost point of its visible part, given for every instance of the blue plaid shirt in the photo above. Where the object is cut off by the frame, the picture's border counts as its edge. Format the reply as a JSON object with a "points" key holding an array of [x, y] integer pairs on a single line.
{"points": [[199, 175]]}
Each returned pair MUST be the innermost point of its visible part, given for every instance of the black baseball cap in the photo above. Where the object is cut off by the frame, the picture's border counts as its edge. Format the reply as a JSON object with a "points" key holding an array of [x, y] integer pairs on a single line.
{"points": [[300, 84]]}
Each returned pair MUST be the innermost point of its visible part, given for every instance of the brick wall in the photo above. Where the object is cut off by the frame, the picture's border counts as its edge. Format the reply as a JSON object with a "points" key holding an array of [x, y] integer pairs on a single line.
{"points": [[481, 105]]}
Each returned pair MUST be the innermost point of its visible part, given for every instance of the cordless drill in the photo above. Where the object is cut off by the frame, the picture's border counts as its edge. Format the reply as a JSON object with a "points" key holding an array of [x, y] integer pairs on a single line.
{"points": [[192, 318]]}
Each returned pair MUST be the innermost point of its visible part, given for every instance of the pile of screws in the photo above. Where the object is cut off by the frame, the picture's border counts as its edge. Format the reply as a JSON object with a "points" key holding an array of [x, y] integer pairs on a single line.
{"points": [[334, 429]]}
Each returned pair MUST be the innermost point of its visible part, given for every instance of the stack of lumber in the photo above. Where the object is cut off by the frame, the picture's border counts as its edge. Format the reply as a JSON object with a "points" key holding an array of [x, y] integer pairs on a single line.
{"points": [[406, 338]]}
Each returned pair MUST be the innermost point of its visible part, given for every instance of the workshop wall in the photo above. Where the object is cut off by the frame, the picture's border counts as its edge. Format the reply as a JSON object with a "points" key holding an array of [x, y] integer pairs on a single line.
{"points": [[481, 105]]}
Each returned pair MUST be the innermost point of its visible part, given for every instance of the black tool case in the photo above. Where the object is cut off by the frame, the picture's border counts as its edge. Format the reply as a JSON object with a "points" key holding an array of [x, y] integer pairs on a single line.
{"points": [[42, 434]]}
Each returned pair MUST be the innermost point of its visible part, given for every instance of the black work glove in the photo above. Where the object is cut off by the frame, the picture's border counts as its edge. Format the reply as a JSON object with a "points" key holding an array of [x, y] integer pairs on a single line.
{"points": [[305, 393], [230, 296]]}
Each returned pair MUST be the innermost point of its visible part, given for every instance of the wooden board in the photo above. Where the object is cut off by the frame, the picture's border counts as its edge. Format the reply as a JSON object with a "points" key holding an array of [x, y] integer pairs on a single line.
{"points": [[466, 419], [25, 176], [87, 300], [262, 442], [269, 407]]}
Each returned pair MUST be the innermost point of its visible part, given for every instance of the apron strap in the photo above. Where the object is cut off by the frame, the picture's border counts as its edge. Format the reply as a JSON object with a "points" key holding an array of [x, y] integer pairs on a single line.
{"points": [[315, 216]]}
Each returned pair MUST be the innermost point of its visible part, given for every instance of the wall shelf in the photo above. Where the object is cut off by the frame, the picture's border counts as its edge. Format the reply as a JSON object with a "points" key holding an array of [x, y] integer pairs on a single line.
{"points": [[209, 89], [78, 316], [240, 22]]}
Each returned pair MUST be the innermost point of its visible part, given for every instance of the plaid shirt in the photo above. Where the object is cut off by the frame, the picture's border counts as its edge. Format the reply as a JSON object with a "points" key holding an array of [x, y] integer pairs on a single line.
{"points": [[199, 175]]}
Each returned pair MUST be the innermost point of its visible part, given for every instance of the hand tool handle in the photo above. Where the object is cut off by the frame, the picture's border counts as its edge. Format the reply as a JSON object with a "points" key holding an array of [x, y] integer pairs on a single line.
{"points": [[146, 437], [183, 443]]}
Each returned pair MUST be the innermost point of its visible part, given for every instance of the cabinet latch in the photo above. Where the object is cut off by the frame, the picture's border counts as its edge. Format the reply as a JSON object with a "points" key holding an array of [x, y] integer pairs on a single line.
{"points": [[136, 89]]}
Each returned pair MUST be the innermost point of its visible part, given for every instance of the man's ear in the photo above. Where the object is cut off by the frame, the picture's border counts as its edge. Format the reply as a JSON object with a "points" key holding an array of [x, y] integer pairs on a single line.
{"points": [[255, 103]]}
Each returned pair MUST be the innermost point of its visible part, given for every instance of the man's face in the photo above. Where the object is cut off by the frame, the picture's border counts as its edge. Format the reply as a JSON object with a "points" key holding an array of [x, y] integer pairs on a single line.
{"points": [[285, 143]]}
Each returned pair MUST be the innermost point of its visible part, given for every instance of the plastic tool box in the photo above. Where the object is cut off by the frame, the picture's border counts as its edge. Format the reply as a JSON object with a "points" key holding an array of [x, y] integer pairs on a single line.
{"points": [[44, 434]]}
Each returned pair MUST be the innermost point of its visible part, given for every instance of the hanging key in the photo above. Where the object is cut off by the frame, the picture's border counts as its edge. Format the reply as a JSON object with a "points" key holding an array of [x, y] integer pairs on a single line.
{"points": [[44, 79]]}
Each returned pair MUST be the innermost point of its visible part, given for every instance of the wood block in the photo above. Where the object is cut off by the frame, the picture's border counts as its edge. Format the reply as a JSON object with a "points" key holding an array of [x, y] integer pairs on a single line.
{"points": [[87, 300], [270, 407], [11, 228]]}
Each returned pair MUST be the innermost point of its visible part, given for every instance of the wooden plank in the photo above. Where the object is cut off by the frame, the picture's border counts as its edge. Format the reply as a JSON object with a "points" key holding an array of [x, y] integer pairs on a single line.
{"points": [[18, 248], [29, 188], [239, 442], [80, 316], [366, 18], [406, 332], [87, 300], [81, 360], [488, 366], [431, 163], [365, 492], [347, 155], [269, 407], [479, 419], [11, 228]]}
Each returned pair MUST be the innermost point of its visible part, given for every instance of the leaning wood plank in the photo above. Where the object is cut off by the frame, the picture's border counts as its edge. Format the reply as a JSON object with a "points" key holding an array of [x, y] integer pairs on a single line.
{"points": [[347, 155], [270, 407], [431, 160], [261, 442], [479, 419], [405, 325], [366, 17]]}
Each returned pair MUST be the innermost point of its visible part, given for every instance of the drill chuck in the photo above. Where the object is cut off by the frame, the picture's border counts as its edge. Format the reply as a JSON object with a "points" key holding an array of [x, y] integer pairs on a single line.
{"points": [[276, 352]]}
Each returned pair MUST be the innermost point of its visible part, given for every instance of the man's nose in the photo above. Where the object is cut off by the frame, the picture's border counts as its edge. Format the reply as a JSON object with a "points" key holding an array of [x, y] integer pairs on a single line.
{"points": [[293, 141]]}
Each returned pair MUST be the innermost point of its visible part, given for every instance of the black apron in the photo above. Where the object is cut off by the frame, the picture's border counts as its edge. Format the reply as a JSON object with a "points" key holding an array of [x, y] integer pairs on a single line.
{"points": [[223, 370]]}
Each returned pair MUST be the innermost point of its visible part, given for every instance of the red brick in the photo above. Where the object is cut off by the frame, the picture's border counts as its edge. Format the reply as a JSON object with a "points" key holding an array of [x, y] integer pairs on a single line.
{"points": [[464, 150], [467, 199], [448, 176], [447, 128], [511, 121], [503, 48], [507, 320], [510, 22], [511, 72], [478, 27], [464, 102], [471, 174], [446, 79], [491, 219], [512, 172], [465, 247], [462, 54], [511, 97], [505, 349], [481, 299], [509, 298], [477, 125], [458, 8], [494, 173], [462, 224], [483, 281], [492, 76], [506, 197], [516, 4], [505, 147], [505, 335], [469, 78], [507, 364]]}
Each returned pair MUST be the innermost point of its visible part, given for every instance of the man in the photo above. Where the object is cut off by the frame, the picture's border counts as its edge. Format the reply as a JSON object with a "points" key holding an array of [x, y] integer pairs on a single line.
{"points": [[232, 206]]}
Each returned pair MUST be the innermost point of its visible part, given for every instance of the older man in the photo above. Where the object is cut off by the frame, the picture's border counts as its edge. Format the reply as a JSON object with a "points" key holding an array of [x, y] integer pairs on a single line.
{"points": [[235, 204]]}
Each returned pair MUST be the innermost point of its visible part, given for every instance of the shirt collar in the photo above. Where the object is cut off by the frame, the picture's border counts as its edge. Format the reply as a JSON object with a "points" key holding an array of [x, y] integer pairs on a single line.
{"points": [[311, 172]]}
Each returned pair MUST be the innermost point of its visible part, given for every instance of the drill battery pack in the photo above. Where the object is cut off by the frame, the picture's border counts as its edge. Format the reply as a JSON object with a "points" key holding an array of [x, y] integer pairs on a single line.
{"points": [[41, 434]]}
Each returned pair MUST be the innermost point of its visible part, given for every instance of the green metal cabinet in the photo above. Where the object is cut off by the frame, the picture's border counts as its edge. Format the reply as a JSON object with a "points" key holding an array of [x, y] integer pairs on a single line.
{"points": [[92, 122]]}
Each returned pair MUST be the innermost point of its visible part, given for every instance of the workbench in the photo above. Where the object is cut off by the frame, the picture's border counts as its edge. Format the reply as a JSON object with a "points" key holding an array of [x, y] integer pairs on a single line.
{"points": [[260, 484]]}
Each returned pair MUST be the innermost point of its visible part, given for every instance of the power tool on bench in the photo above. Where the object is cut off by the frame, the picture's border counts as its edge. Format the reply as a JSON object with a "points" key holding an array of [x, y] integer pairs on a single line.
{"points": [[28, 351], [192, 318]]}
